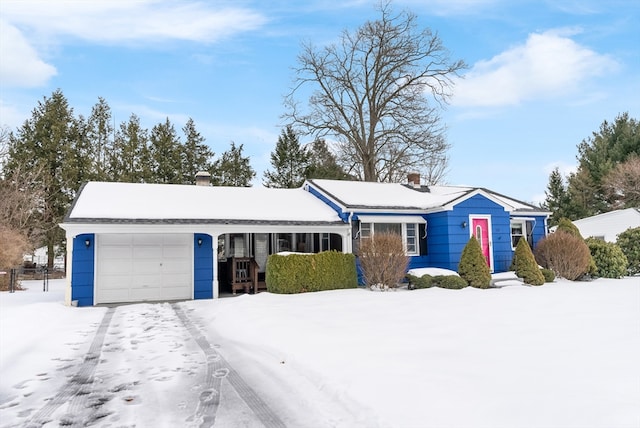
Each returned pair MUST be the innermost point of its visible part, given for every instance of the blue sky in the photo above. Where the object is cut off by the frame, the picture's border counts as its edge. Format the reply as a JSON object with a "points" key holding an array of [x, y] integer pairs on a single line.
{"points": [[543, 75]]}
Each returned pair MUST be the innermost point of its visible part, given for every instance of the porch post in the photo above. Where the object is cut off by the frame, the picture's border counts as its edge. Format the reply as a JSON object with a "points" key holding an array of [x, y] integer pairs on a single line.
{"points": [[214, 239], [68, 269]]}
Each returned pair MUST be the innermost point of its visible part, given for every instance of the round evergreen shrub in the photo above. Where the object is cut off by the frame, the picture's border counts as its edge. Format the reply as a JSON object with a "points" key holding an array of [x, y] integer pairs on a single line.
{"points": [[452, 282], [416, 282], [609, 258], [473, 266], [548, 274], [567, 225], [629, 243], [565, 254], [525, 264]]}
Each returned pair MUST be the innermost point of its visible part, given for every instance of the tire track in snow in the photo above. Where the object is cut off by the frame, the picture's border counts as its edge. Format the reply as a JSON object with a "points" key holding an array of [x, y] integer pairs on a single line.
{"points": [[217, 369], [75, 386]]}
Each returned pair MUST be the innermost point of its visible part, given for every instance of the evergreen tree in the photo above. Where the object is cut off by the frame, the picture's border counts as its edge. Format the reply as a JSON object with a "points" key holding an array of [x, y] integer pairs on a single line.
{"points": [[196, 156], [48, 142], [614, 143], [557, 198], [525, 264], [128, 160], [99, 135], [233, 169], [165, 154], [289, 161], [323, 163], [473, 266]]}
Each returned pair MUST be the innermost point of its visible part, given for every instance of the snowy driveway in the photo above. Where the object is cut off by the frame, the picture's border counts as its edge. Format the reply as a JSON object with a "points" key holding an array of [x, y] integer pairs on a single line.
{"points": [[561, 355], [147, 365]]}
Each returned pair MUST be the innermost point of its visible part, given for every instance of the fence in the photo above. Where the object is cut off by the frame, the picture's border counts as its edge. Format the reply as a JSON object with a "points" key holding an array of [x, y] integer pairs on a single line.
{"points": [[32, 273]]}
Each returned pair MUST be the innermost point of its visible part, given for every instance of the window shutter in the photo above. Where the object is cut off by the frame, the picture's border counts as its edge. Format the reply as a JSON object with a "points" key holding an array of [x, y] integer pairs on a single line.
{"points": [[422, 238]]}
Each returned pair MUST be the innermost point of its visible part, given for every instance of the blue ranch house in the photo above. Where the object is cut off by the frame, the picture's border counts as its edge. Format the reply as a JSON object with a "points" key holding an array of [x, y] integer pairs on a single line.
{"points": [[133, 242]]}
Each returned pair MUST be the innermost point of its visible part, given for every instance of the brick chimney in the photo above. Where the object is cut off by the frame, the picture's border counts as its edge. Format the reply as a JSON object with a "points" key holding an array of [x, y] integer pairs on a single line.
{"points": [[203, 178], [413, 179]]}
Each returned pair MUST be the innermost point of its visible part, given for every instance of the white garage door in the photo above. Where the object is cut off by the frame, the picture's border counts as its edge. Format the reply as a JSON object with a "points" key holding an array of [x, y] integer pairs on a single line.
{"points": [[144, 267]]}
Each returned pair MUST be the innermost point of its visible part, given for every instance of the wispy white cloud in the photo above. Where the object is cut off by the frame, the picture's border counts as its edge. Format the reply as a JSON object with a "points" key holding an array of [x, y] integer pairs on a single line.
{"points": [[120, 21], [21, 65], [30, 27], [547, 65], [10, 116]]}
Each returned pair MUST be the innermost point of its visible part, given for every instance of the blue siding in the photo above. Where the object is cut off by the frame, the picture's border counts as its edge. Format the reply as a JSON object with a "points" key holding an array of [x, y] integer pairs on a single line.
{"points": [[202, 267], [82, 271]]}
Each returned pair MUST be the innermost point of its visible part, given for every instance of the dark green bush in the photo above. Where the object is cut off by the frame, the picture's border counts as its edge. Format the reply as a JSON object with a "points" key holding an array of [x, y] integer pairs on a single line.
{"points": [[567, 225], [451, 282], [299, 273], [525, 264], [473, 266], [629, 243], [424, 281], [548, 274], [609, 258]]}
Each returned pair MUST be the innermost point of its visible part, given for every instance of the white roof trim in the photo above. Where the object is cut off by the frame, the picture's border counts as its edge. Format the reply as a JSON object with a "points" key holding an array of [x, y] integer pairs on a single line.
{"points": [[391, 219]]}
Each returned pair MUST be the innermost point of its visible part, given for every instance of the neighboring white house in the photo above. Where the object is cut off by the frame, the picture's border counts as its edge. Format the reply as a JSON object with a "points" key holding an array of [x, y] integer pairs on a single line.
{"points": [[607, 226]]}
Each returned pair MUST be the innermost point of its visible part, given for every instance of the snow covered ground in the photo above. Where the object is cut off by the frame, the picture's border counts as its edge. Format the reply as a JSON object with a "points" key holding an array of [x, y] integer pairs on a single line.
{"points": [[561, 355]]}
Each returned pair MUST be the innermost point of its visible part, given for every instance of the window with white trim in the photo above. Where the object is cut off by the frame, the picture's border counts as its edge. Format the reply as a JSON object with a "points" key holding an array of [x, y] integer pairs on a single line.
{"points": [[521, 228], [518, 228], [408, 232]]}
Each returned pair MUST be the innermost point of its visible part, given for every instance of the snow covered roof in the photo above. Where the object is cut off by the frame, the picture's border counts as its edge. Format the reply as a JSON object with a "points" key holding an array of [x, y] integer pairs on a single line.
{"points": [[136, 202], [607, 226], [396, 196]]}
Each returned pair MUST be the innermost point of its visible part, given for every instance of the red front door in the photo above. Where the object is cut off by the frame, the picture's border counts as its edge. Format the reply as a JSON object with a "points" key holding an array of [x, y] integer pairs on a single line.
{"points": [[480, 229]]}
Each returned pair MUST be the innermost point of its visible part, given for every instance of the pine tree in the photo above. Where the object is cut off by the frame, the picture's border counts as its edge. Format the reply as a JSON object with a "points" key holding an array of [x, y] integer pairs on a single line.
{"points": [[196, 156], [233, 169], [598, 155], [557, 198], [99, 134], [289, 161], [128, 160], [323, 163], [48, 142], [165, 154]]}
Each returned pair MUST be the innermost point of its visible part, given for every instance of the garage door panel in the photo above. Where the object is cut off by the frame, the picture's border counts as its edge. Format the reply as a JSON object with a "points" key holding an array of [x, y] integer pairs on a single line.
{"points": [[177, 266], [143, 253], [175, 293], [148, 293], [179, 240], [144, 267], [115, 282]]}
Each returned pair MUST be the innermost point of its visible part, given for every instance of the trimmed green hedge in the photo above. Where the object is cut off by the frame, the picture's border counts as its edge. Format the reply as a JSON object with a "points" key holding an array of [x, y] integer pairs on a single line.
{"points": [[299, 273], [416, 282], [452, 282]]}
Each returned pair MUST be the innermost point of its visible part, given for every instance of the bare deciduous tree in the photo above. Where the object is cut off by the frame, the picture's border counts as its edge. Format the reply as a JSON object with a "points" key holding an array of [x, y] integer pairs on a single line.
{"points": [[372, 94], [622, 184]]}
